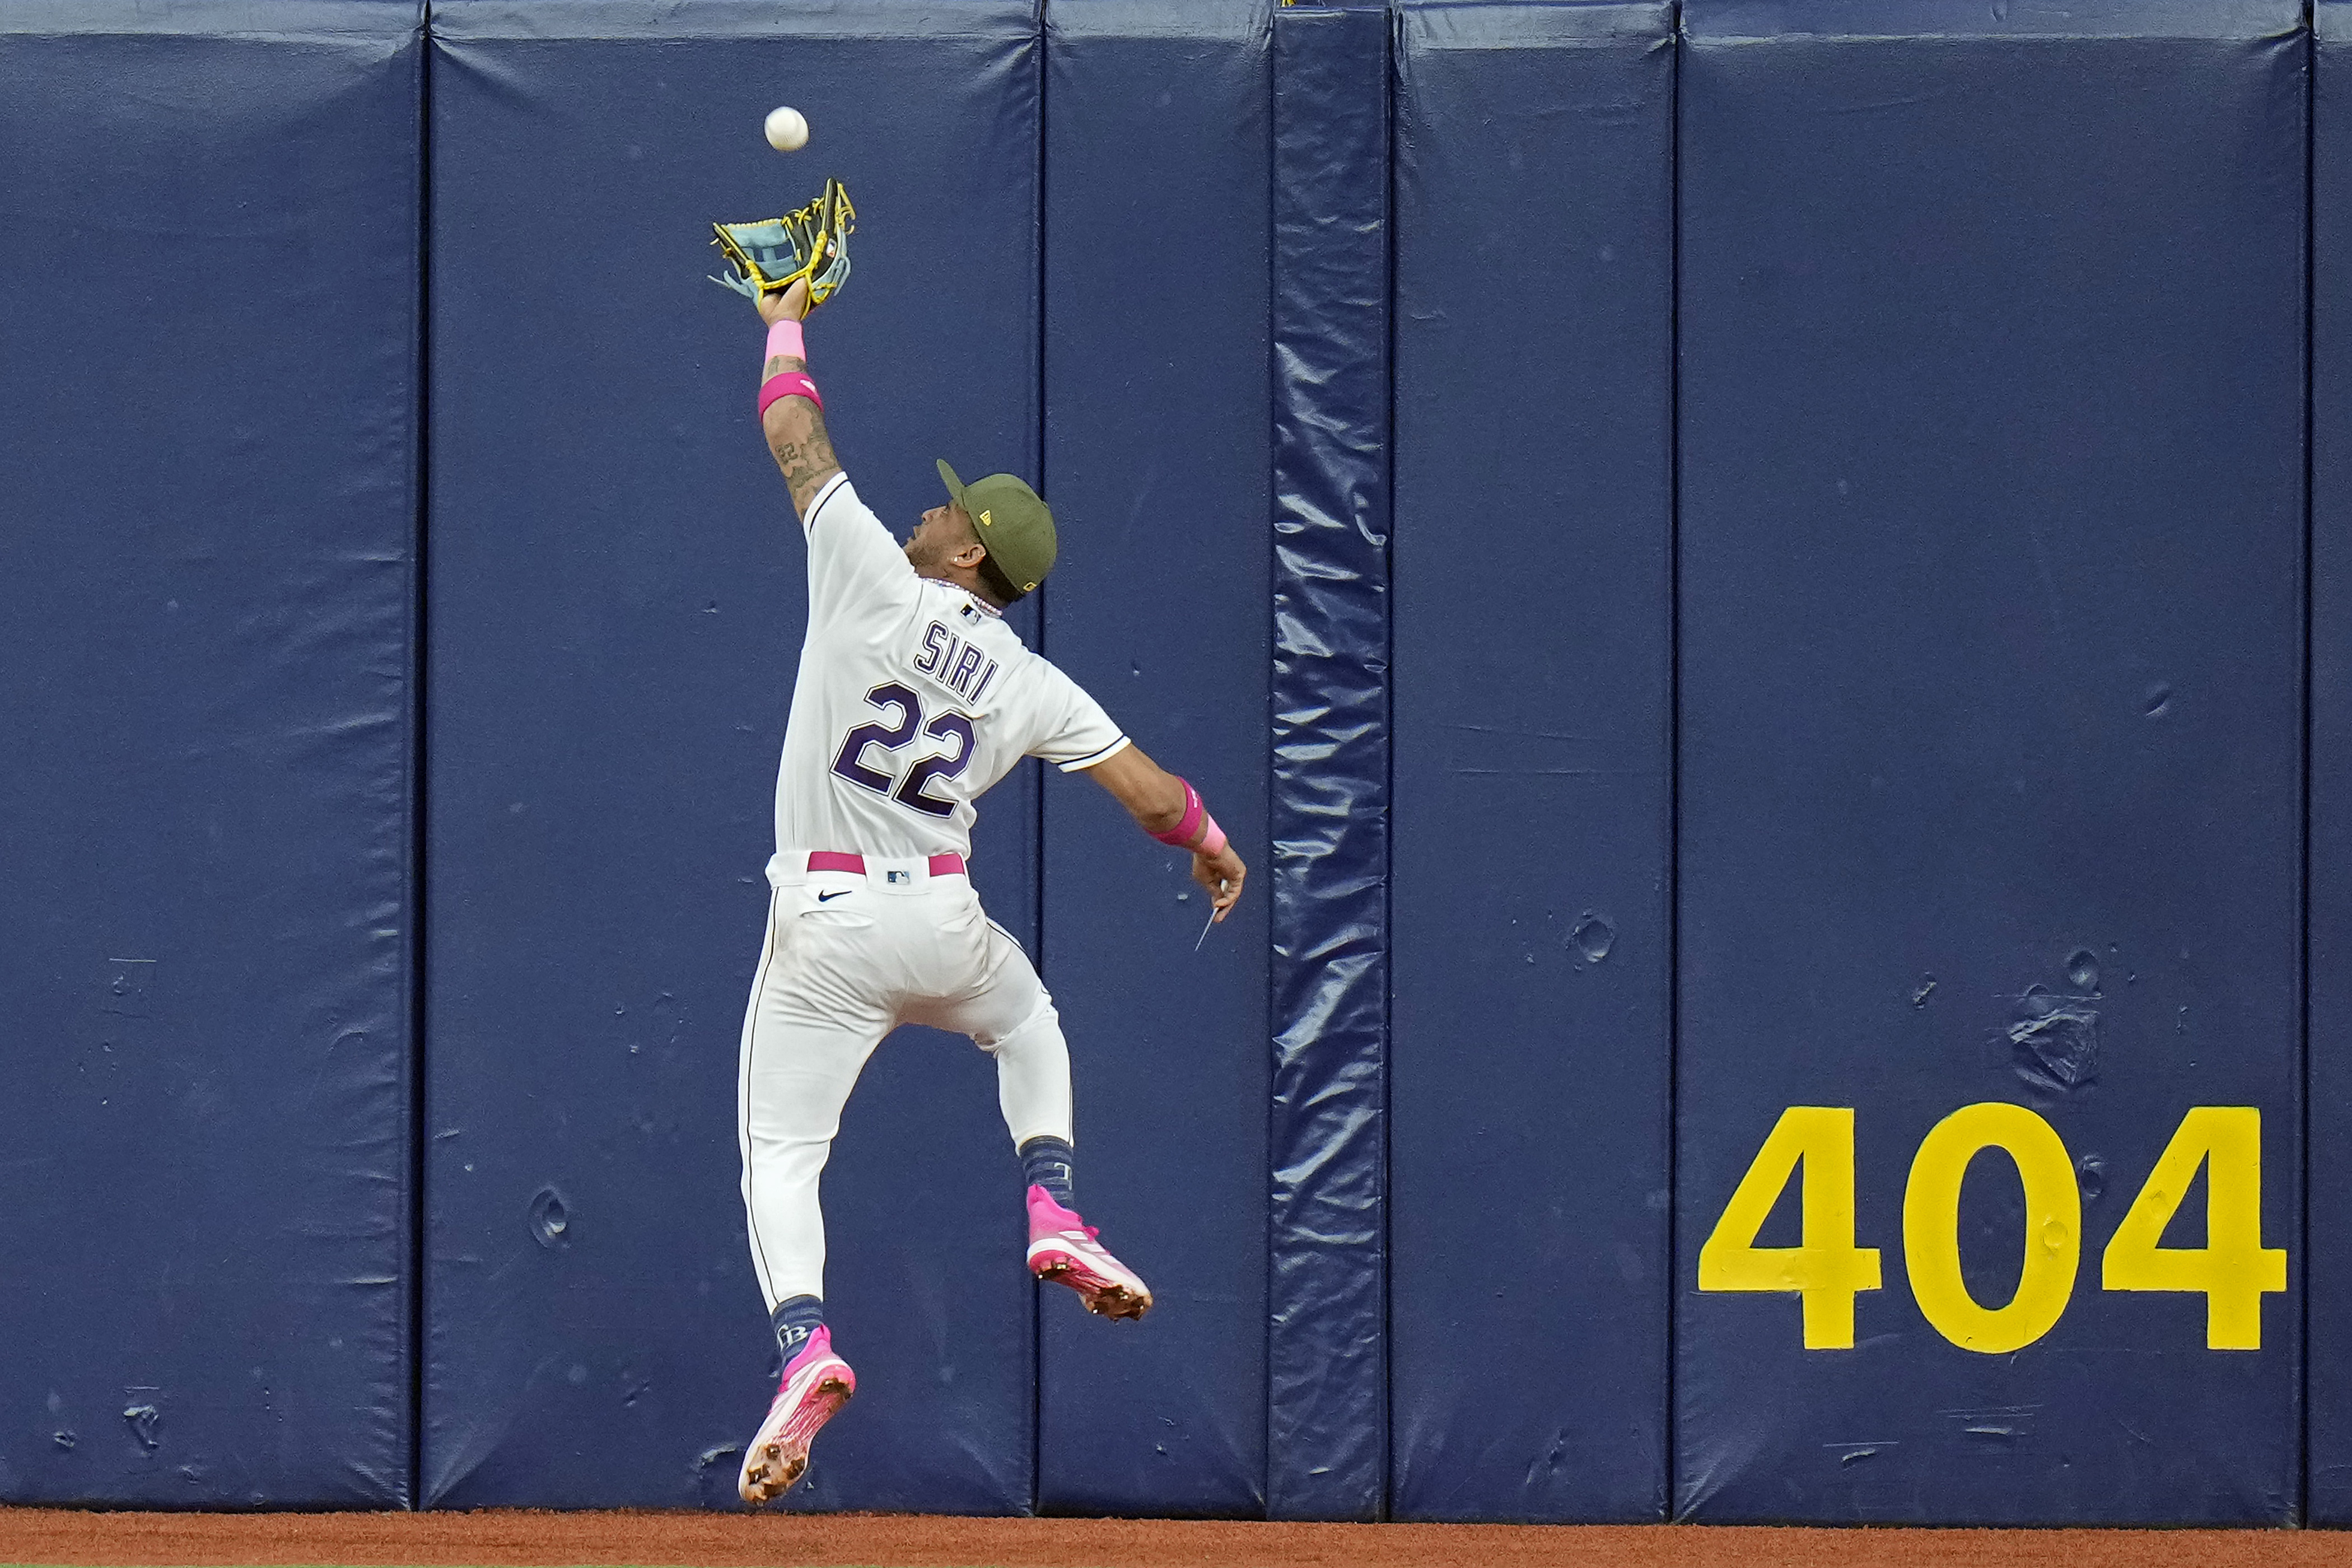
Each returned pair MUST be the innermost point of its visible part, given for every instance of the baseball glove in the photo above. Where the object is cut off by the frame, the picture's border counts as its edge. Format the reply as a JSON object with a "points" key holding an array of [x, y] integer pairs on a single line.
{"points": [[812, 242]]}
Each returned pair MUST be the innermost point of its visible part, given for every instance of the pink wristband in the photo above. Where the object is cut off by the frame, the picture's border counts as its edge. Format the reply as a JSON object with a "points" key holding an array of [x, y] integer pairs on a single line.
{"points": [[1196, 814], [784, 338], [791, 384]]}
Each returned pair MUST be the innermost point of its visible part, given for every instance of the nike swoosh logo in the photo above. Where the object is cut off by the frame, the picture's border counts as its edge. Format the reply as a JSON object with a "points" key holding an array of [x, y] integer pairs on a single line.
{"points": [[828, 897]]}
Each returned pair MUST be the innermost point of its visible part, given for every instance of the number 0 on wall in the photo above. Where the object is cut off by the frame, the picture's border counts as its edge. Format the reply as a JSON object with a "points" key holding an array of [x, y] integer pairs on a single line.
{"points": [[1931, 1228]]}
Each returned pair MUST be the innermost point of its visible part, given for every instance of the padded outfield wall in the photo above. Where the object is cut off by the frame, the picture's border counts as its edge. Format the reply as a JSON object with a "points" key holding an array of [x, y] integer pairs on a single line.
{"points": [[209, 357], [1756, 580]]}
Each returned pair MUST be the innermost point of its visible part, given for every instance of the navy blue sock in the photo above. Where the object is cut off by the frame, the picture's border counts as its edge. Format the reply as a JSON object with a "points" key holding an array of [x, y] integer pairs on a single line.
{"points": [[1050, 1163], [796, 1319]]}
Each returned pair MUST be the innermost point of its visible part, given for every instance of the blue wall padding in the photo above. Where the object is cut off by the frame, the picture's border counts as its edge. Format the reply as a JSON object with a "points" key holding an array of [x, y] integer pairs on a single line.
{"points": [[1327, 1282], [618, 594], [2330, 1460], [1991, 328], [207, 490], [1157, 456], [1327, 1348], [1712, 556], [1528, 1076]]}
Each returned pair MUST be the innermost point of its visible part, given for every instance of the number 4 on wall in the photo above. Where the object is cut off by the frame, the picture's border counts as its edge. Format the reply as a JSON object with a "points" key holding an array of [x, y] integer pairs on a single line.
{"points": [[2232, 1271], [1825, 1269], [2233, 1268]]}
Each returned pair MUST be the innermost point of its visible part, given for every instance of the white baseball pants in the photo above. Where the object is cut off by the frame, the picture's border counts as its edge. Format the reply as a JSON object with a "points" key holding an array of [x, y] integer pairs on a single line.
{"points": [[847, 959]]}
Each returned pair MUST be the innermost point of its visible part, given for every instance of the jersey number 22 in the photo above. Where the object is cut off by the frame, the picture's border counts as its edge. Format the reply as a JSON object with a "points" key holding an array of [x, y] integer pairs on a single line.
{"points": [[906, 789]]}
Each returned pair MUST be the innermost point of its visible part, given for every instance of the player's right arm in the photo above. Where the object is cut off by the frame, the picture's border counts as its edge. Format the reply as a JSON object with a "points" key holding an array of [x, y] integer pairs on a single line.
{"points": [[794, 425], [855, 566], [1156, 799]]}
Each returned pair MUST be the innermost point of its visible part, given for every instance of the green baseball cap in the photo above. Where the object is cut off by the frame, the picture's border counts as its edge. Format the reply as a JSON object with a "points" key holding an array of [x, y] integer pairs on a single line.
{"points": [[1012, 521]]}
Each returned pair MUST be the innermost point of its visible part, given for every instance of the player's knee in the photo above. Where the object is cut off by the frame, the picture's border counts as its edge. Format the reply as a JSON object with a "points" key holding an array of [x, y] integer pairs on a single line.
{"points": [[1043, 1022]]}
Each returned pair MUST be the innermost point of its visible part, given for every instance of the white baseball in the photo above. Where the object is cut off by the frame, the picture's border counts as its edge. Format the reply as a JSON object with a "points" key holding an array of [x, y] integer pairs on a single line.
{"points": [[787, 129]]}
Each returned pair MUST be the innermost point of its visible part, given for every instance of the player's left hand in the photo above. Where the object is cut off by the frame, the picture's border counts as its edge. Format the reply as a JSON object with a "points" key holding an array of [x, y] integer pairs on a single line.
{"points": [[788, 305], [1222, 875]]}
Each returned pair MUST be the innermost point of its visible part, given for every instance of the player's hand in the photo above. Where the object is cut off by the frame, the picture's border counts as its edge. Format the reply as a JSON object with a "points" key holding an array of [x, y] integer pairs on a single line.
{"points": [[791, 305], [1222, 874]]}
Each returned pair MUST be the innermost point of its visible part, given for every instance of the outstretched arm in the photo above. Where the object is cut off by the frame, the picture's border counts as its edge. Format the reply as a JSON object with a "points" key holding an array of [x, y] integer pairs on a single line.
{"points": [[794, 425], [1155, 798]]}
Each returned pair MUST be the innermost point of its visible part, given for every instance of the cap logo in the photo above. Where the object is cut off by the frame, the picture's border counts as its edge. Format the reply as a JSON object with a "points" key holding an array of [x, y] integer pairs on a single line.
{"points": [[984, 521]]}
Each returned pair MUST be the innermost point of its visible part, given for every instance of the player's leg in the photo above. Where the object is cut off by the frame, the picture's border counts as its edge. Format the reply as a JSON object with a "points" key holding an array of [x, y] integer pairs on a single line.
{"points": [[1005, 1009], [807, 1033], [992, 993]]}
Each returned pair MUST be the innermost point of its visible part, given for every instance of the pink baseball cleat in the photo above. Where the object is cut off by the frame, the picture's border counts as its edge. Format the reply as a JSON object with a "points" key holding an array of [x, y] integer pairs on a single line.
{"points": [[816, 1384], [1063, 1248]]}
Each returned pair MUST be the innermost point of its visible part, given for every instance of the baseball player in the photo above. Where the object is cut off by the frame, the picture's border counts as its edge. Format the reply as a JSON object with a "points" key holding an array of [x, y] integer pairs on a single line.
{"points": [[913, 698]]}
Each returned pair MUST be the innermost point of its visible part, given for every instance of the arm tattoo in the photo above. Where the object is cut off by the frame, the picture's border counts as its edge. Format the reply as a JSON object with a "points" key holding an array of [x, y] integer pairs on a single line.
{"points": [[797, 438], [807, 463]]}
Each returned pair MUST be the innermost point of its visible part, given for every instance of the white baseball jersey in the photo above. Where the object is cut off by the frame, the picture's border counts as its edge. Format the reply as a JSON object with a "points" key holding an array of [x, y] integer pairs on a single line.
{"points": [[913, 698]]}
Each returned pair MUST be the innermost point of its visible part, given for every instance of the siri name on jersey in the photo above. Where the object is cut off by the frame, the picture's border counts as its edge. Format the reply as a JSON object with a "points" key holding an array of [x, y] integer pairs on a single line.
{"points": [[955, 663]]}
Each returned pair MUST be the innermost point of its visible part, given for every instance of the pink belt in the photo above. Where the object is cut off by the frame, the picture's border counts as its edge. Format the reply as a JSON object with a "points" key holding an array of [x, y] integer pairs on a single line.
{"points": [[834, 861]]}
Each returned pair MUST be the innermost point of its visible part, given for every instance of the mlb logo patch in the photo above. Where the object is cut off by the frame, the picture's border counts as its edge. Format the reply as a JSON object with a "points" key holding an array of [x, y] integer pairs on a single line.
{"points": [[898, 876]]}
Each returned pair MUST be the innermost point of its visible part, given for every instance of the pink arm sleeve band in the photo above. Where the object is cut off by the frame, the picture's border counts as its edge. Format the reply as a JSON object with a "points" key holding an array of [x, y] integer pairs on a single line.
{"points": [[1190, 823], [1196, 820], [784, 338], [792, 384]]}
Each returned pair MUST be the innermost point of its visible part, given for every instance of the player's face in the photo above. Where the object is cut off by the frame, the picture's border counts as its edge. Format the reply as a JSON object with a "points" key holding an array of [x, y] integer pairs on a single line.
{"points": [[943, 531]]}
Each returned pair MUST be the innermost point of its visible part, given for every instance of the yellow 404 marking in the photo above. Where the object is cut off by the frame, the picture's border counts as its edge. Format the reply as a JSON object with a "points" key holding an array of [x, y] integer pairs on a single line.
{"points": [[1826, 1270]]}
